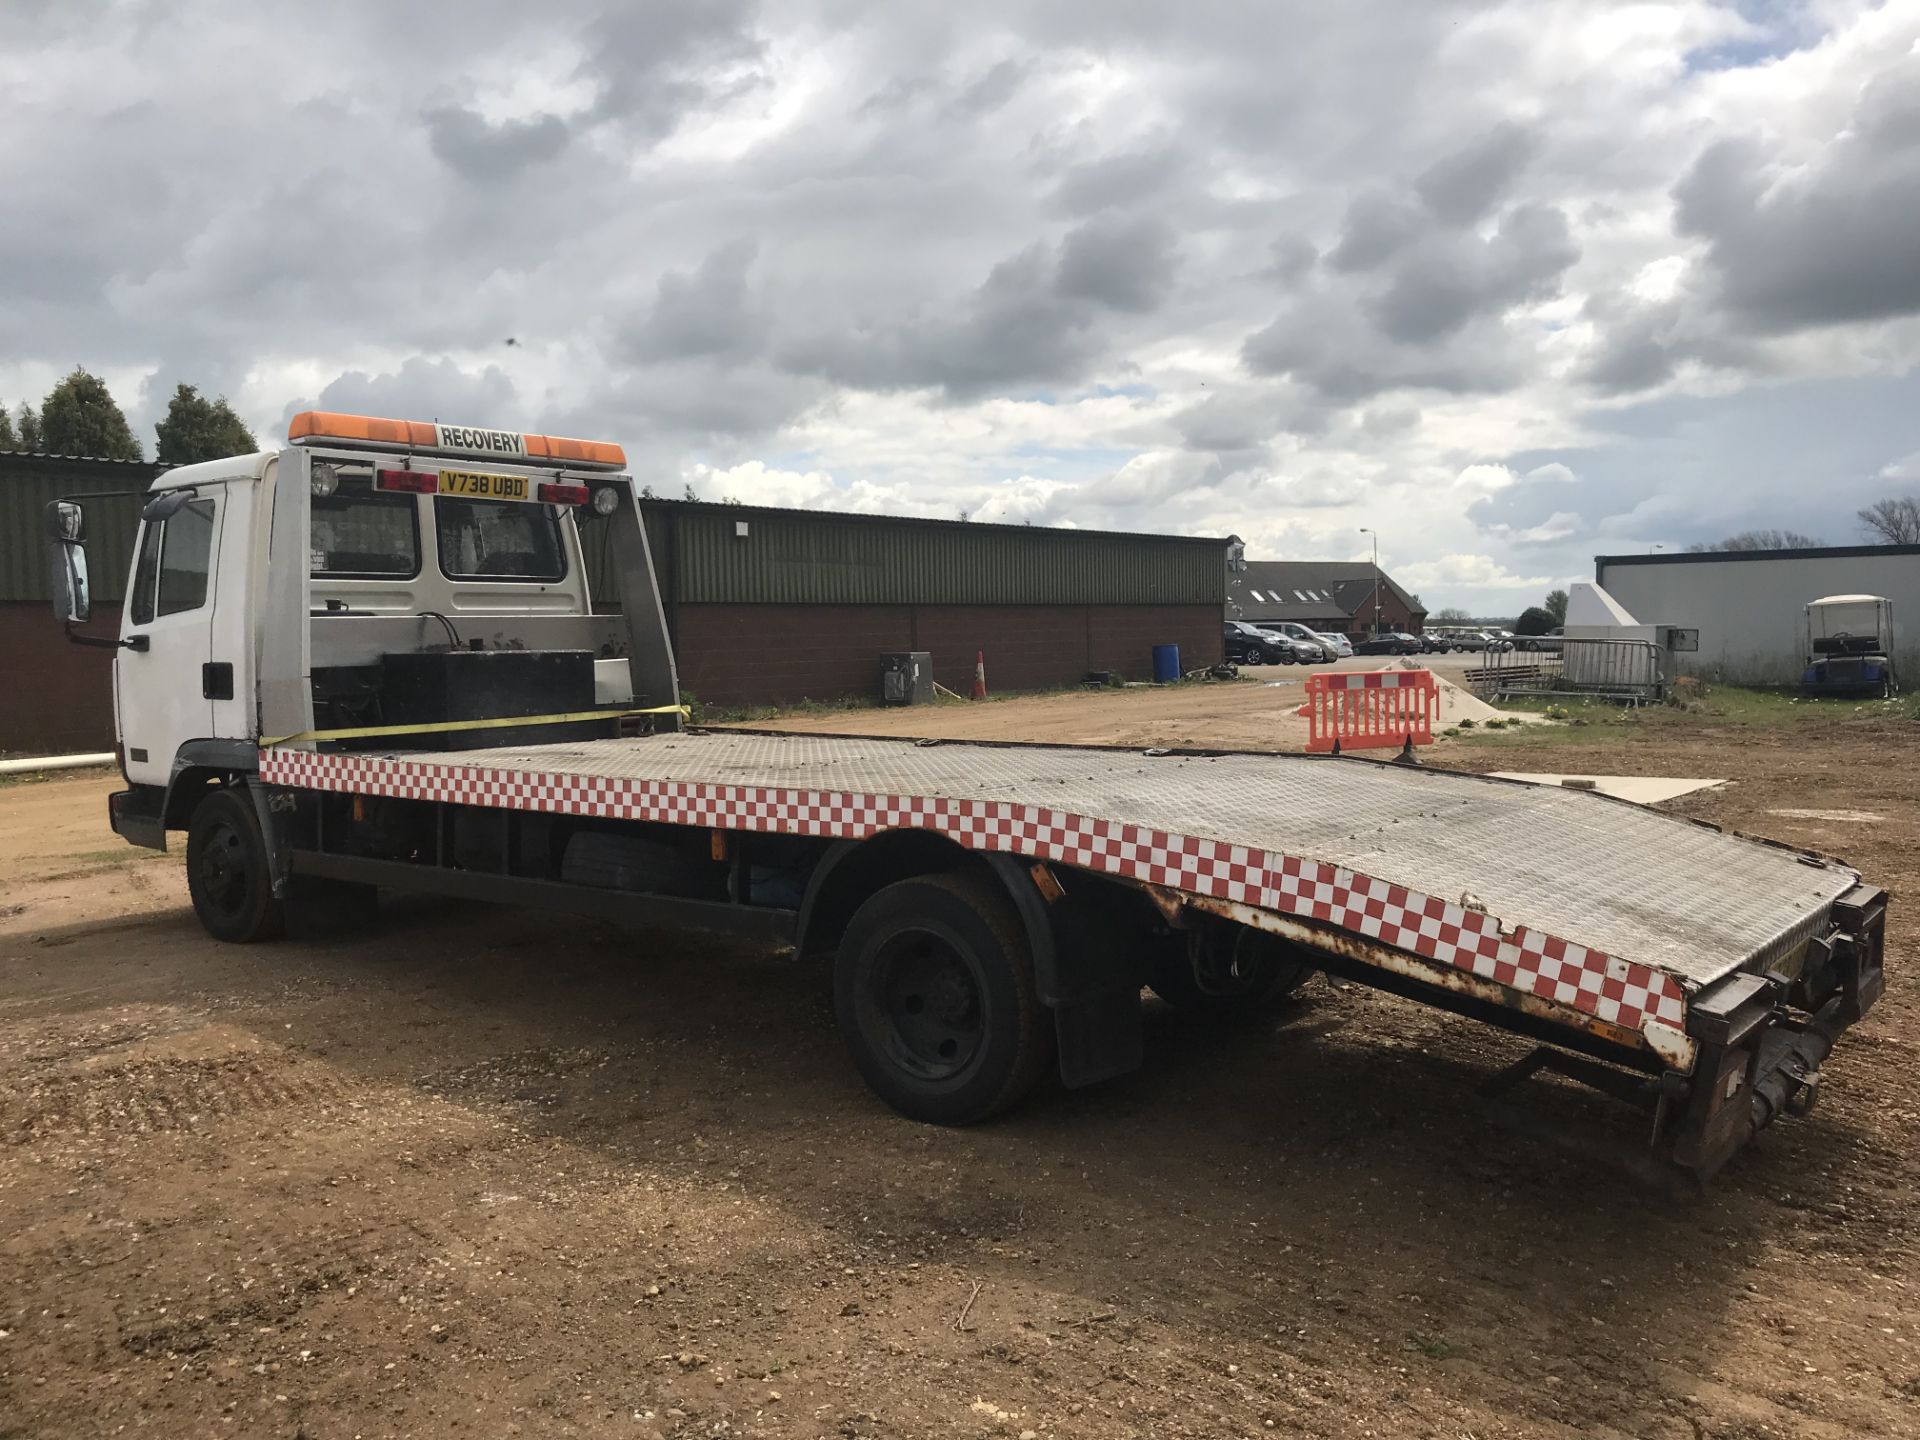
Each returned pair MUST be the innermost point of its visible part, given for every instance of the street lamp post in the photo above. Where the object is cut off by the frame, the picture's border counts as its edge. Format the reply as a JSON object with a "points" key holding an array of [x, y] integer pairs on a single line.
{"points": [[1376, 576]]}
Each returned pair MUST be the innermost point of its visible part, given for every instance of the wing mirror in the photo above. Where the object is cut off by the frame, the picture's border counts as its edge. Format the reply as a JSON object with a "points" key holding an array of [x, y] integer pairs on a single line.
{"points": [[67, 584], [67, 520]]}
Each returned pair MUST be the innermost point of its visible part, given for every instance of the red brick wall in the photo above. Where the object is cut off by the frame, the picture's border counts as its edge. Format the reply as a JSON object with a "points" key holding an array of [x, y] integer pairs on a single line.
{"points": [[1122, 637], [778, 654], [773, 654], [56, 698], [1393, 616]]}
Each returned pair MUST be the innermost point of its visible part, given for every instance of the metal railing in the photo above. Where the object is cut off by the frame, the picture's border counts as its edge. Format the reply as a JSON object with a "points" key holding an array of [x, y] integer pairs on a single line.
{"points": [[1628, 670]]}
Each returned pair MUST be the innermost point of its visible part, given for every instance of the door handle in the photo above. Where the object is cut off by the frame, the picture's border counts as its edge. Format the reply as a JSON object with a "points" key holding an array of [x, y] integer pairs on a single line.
{"points": [[137, 642]]}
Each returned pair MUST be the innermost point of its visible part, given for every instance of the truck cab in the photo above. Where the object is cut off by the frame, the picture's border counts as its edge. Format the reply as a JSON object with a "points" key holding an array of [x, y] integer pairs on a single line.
{"points": [[443, 576]]}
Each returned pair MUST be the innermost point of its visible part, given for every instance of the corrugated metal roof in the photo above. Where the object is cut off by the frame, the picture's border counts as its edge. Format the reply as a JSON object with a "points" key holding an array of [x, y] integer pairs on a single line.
{"points": [[1305, 589], [800, 557], [28, 482]]}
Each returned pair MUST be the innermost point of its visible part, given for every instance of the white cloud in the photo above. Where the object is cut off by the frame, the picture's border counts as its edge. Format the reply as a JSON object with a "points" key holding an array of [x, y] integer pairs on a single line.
{"points": [[1114, 266], [1472, 572], [1905, 470], [1487, 478], [1557, 526]]}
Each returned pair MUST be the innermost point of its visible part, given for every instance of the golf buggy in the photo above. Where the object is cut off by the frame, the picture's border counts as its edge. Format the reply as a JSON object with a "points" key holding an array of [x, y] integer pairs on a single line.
{"points": [[1849, 646]]}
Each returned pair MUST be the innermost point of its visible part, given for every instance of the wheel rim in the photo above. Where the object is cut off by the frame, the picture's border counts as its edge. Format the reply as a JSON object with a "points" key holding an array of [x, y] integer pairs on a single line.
{"points": [[222, 867], [927, 1005]]}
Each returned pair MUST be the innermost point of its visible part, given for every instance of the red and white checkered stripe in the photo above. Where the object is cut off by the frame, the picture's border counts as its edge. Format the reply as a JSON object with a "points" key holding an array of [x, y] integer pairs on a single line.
{"points": [[1617, 991]]}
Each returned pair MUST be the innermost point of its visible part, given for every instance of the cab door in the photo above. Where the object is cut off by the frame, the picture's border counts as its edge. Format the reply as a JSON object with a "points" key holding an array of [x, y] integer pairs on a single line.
{"points": [[164, 677]]}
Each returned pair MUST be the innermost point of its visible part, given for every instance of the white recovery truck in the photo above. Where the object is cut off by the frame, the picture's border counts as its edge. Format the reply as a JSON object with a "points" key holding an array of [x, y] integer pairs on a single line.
{"points": [[369, 659]]}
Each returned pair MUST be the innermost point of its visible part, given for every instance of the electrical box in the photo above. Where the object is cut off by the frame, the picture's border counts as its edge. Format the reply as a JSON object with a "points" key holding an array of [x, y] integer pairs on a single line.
{"points": [[1679, 638], [906, 678]]}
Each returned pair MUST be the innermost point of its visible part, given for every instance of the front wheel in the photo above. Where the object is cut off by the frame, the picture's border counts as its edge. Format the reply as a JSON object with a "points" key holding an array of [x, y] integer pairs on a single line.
{"points": [[934, 992], [228, 875]]}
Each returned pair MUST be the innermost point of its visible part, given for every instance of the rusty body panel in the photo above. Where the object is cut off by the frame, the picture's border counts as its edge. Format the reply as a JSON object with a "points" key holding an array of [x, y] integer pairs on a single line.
{"points": [[1636, 1047]]}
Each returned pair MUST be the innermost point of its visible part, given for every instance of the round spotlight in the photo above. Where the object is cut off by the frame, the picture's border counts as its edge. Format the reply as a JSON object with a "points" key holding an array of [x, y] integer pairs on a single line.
{"points": [[324, 482], [606, 499]]}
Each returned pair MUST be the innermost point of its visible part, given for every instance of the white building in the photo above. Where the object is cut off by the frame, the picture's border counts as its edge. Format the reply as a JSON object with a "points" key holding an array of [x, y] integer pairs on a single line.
{"points": [[1750, 605]]}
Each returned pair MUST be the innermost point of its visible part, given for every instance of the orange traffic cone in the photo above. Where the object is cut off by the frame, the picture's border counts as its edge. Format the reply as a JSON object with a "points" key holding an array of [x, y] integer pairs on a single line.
{"points": [[979, 674]]}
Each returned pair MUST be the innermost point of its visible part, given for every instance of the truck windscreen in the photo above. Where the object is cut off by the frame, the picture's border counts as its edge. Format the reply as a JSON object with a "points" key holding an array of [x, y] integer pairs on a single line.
{"points": [[498, 540]]}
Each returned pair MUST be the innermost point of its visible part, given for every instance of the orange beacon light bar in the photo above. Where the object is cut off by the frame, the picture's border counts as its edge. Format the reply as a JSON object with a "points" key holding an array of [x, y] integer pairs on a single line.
{"points": [[314, 427]]}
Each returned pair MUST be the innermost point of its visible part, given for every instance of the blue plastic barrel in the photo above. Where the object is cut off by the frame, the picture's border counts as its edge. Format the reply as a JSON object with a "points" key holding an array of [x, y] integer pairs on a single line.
{"points": [[1166, 663]]}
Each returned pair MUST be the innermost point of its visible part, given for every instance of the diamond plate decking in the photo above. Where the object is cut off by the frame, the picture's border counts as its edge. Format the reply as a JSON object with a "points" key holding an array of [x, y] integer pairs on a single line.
{"points": [[1636, 885]]}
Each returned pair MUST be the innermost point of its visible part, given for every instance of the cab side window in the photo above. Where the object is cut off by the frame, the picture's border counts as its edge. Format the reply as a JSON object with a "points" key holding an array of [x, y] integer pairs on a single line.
{"points": [[171, 576]]}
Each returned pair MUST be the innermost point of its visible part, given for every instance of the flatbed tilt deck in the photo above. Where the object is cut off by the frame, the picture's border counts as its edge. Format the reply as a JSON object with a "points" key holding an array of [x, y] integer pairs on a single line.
{"points": [[992, 911]]}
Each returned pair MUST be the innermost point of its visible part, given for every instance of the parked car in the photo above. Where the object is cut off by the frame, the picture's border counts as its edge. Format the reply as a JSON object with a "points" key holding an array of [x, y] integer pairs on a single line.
{"points": [[1551, 642], [1250, 645], [1388, 642], [1435, 643], [1305, 652], [1342, 646], [1316, 645]]}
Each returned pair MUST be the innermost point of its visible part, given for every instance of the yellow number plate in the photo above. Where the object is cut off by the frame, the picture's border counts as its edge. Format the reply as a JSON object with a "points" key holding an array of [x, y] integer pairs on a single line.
{"points": [[474, 485]]}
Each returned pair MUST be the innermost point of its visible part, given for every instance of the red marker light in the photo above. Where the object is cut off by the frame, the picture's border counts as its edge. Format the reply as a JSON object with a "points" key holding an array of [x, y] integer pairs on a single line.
{"points": [[563, 494], [414, 482]]}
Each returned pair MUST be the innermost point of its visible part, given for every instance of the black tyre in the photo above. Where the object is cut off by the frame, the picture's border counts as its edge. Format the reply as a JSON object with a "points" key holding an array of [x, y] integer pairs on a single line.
{"points": [[227, 871], [933, 989], [1227, 969]]}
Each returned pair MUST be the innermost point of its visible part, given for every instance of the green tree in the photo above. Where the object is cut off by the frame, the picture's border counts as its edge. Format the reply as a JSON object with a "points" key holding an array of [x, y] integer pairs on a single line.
{"points": [[28, 424], [7, 440], [1556, 606], [79, 417], [1534, 621], [197, 429]]}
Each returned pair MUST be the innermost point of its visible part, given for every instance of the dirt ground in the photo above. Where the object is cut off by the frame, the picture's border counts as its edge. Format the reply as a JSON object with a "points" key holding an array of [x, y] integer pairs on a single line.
{"points": [[1260, 711], [492, 1173]]}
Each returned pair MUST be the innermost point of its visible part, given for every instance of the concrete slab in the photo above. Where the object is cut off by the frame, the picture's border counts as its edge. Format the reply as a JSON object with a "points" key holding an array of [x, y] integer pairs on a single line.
{"points": [[1843, 817], [1641, 789]]}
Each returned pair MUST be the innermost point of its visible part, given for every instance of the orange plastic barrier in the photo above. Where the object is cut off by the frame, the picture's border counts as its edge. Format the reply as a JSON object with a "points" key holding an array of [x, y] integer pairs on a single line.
{"points": [[1367, 709]]}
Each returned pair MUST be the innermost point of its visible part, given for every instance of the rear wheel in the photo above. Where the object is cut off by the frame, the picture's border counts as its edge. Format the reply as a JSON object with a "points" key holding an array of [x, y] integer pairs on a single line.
{"points": [[228, 876], [934, 993]]}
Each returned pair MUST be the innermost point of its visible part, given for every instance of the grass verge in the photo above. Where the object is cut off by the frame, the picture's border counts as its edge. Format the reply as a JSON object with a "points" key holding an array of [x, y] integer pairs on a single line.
{"points": [[1694, 709]]}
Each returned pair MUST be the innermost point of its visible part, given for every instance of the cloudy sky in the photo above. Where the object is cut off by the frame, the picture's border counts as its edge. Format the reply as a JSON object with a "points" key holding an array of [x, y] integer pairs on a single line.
{"points": [[1514, 284]]}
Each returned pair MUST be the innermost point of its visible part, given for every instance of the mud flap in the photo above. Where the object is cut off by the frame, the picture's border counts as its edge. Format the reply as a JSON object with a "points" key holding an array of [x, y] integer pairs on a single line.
{"points": [[1083, 973], [1100, 1036]]}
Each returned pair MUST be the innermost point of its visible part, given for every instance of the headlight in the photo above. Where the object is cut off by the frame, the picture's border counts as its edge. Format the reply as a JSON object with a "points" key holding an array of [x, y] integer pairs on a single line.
{"points": [[606, 499], [324, 480]]}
